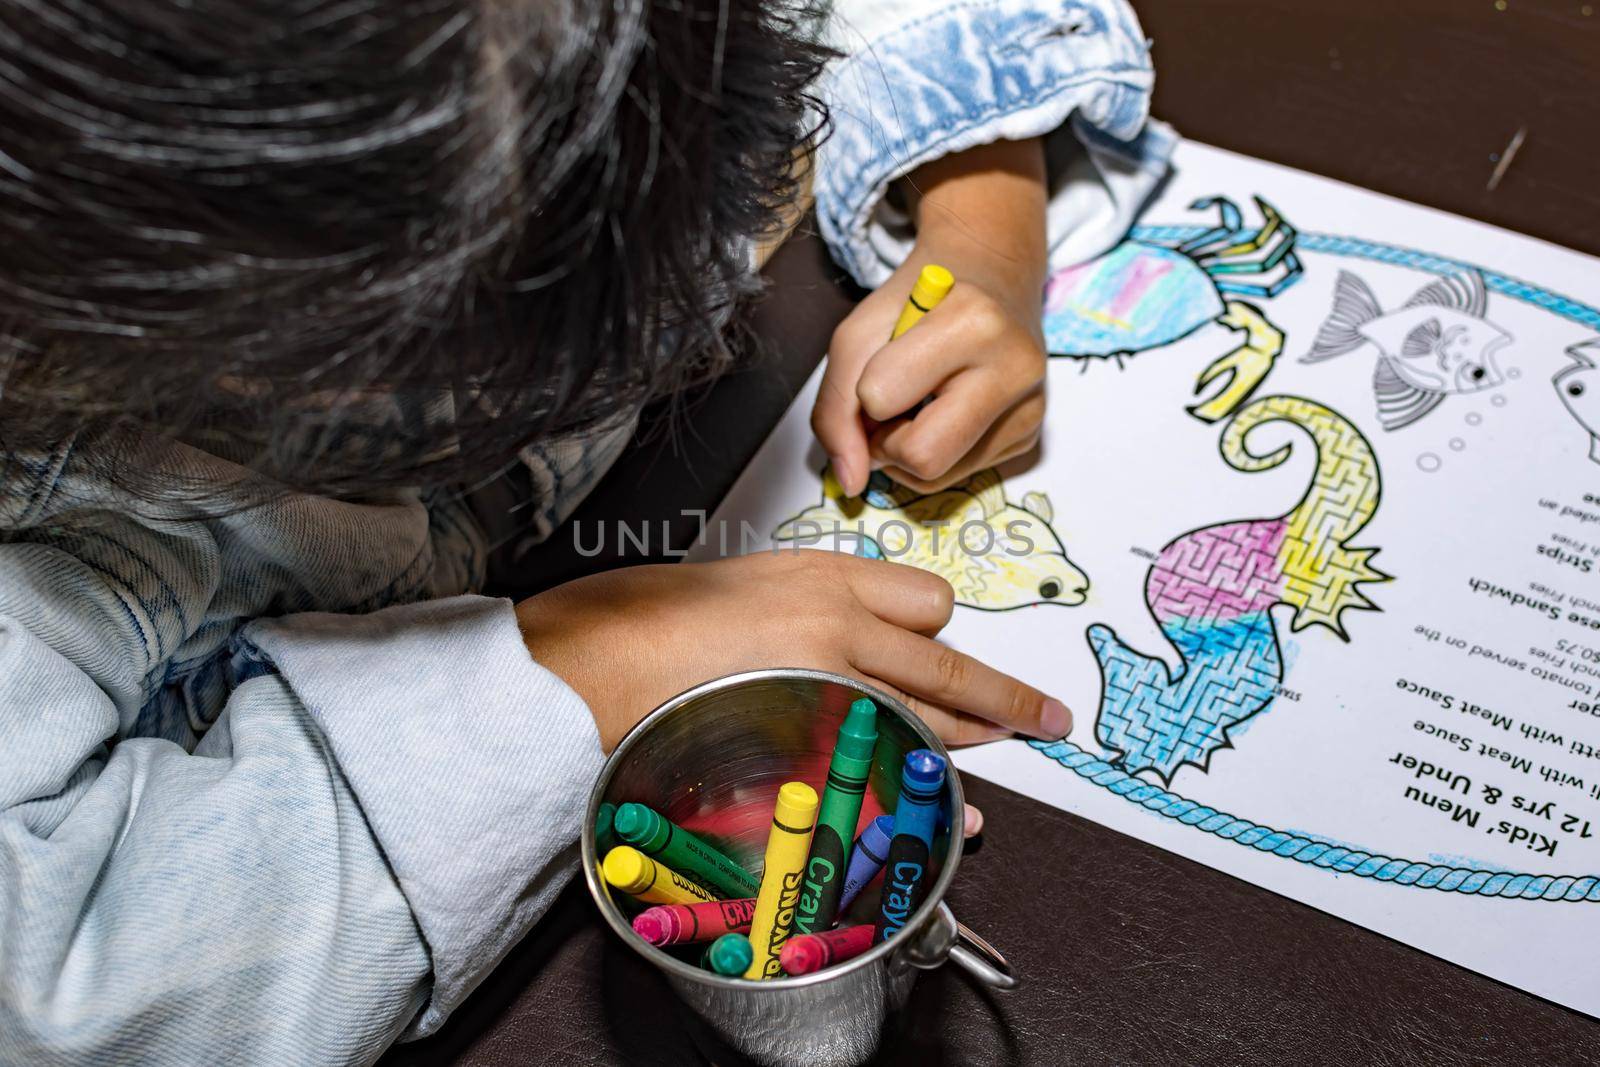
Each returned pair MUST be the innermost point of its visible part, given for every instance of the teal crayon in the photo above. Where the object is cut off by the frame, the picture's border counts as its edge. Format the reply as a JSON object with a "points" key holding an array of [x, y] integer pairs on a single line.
{"points": [[729, 955], [659, 837], [823, 882]]}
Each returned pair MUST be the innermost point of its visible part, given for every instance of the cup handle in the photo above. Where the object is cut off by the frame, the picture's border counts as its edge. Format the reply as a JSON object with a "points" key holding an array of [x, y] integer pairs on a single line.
{"points": [[947, 939], [981, 960]]}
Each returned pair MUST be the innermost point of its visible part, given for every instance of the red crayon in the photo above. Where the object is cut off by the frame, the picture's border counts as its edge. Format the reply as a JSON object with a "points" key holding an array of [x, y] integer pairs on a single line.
{"points": [[805, 953], [673, 924]]}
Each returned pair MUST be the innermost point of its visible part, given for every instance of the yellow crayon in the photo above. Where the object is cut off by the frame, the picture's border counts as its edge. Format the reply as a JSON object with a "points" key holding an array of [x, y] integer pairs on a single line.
{"points": [[638, 875], [788, 844], [931, 287]]}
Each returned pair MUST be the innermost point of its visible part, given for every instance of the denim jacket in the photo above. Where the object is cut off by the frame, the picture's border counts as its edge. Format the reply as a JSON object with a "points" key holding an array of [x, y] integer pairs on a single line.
{"points": [[278, 787]]}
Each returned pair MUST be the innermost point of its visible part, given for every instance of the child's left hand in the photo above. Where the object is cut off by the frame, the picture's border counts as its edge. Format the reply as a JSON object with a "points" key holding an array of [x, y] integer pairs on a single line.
{"points": [[979, 355]]}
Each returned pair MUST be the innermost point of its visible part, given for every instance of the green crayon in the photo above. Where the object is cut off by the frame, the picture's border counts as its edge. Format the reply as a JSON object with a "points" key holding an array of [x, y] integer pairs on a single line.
{"points": [[728, 955], [823, 884], [605, 837], [654, 835]]}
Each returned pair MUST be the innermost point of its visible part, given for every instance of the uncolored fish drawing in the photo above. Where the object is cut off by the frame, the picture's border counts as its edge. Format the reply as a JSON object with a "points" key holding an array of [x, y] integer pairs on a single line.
{"points": [[995, 554], [1578, 386], [1437, 344]]}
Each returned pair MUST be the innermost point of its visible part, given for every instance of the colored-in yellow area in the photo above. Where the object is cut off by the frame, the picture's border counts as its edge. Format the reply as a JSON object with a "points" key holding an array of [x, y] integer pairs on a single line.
{"points": [[995, 554], [1104, 318], [1320, 571], [1246, 366]]}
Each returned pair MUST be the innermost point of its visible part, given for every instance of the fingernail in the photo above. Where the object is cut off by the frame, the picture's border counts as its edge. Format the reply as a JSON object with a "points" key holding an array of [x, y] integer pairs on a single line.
{"points": [[841, 474], [1055, 721], [876, 464], [972, 824]]}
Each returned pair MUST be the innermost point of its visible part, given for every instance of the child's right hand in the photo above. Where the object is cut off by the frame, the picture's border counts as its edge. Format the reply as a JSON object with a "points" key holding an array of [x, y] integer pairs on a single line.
{"points": [[627, 640]]}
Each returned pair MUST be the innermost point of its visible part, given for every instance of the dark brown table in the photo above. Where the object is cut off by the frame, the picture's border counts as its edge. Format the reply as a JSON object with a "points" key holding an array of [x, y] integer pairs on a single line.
{"points": [[1130, 954]]}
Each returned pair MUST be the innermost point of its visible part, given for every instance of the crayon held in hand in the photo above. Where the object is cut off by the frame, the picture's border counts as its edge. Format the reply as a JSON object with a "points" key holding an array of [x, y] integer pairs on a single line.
{"points": [[823, 884], [657, 836], [638, 875], [866, 859], [933, 284], [787, 844], [905, 871], [729, 955], [806, 953], [675, 924]]}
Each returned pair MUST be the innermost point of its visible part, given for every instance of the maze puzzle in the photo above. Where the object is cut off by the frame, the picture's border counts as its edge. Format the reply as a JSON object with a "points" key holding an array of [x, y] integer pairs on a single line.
{"points": [[1212, 591]]}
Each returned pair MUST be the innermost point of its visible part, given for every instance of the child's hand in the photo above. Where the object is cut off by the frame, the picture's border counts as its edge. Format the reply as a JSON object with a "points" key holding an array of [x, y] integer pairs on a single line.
{"points": [[627, 640], [979, 354]]}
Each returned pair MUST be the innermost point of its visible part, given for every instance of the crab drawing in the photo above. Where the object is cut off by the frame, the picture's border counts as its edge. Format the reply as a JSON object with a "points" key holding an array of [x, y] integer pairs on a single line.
{"points": [[1145, 294]]}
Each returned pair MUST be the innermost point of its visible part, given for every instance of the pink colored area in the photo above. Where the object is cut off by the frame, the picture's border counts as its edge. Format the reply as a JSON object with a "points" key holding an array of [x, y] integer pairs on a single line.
{"points": [[1142, 274], [1219, 573], [1064, 284], [1114, 283]]}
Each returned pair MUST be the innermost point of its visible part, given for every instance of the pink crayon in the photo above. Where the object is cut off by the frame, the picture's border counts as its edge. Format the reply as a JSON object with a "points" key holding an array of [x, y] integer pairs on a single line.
{"points": [[675, 924], [806, 953]]}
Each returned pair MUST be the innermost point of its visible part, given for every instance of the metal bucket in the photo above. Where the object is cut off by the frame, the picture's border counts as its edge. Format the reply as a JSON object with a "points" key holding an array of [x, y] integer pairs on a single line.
{"points": [[711, 760]]}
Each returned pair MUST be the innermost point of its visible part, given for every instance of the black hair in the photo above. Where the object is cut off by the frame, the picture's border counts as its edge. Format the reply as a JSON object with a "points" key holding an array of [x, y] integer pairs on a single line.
{"points": [[357, 244]]}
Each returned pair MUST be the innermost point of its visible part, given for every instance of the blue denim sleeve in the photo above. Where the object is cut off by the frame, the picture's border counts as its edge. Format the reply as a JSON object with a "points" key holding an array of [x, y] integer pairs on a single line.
{"points": [[920, 79], [380, 809]]}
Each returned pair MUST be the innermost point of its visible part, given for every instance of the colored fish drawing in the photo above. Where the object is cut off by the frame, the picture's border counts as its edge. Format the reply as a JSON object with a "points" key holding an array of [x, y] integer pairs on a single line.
{"points": [[995, 554], [1437, 344], [1578, 386], [1212, 592]]}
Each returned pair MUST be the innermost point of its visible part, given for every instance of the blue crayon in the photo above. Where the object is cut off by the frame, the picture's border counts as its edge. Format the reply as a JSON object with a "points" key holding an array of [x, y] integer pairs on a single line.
{"points": [[905, 870], [866, 859]]}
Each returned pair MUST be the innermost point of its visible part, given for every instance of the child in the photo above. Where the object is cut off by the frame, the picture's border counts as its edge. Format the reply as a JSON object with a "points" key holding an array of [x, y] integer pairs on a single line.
{"points": [[280, 279]]}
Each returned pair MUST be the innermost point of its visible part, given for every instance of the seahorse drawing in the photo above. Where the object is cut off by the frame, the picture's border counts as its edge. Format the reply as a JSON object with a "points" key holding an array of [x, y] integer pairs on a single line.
{"points": [[1212, 592]]}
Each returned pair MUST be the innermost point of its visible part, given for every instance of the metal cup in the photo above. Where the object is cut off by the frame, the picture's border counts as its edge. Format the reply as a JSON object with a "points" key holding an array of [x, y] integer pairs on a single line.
{"points": [[711, 760]]}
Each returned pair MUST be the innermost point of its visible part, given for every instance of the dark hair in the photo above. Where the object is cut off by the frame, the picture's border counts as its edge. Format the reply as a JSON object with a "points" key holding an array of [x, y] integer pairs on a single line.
{"points": [[299, 230]]}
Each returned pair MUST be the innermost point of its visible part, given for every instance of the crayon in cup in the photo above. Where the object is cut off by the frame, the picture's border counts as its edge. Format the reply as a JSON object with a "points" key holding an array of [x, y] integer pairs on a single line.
{"points": [[729, 955], [605, 837], [657, 836], [905, 871], [638, 875], [806, 953], [823, 885], [866, 859], [674, 924], [793, 817]]}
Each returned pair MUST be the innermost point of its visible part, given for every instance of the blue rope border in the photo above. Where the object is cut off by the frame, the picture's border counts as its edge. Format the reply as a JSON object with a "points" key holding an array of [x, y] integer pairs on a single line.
{"points": [[1359, 248], [1302, 849]]}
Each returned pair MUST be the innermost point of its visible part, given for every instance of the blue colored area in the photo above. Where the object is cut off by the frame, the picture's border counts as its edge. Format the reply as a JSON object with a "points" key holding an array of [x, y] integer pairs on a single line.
{"points": [[1135, 297], [1159, 720], [1396, 255], [1338, 859]]}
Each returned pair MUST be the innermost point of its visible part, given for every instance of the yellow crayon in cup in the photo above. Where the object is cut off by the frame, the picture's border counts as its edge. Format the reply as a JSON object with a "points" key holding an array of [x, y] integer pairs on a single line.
{"points": [[932, 285], [638, 875], [788, 844]]}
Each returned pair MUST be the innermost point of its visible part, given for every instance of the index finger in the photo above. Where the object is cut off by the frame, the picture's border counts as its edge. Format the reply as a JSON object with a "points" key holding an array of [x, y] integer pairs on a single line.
{"points": [[928, 669]]}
